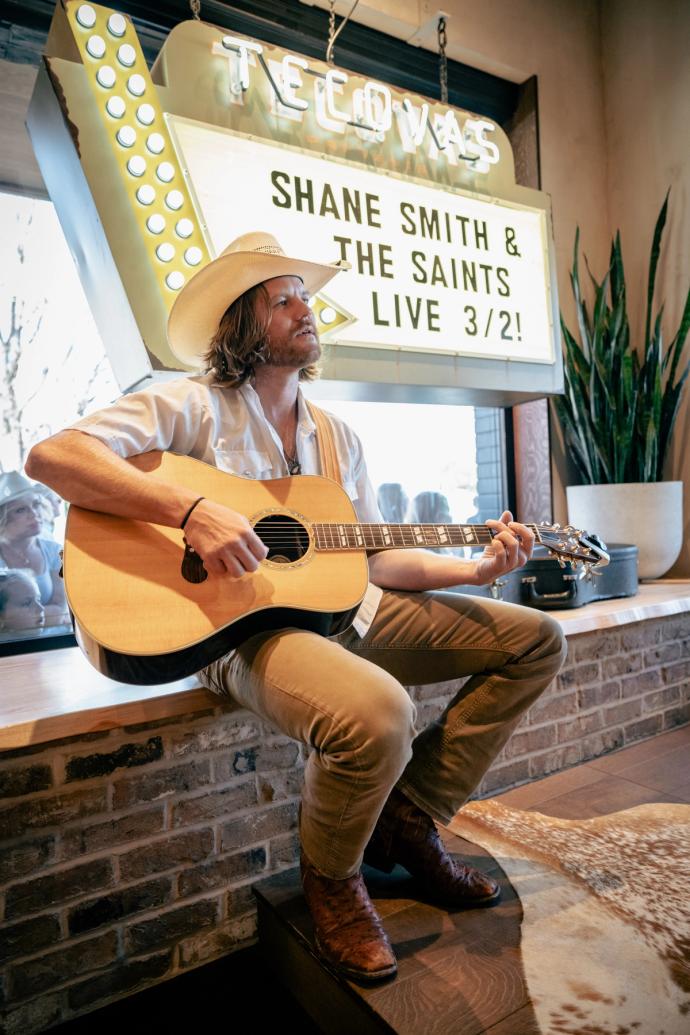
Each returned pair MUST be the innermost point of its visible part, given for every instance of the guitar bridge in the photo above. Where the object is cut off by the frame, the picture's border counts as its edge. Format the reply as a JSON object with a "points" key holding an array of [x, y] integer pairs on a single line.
{"points": [[192, 566]]}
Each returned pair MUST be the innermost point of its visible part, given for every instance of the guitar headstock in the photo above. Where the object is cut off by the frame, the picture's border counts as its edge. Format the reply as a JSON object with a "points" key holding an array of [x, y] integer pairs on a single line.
{"points": [[583, 550]]}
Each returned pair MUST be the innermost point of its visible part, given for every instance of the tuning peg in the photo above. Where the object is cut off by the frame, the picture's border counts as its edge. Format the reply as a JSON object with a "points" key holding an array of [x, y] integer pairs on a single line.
{"points": [[561, 561]]}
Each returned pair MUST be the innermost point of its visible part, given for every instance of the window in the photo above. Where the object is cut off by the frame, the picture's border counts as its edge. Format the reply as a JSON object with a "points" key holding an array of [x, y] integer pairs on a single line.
{"points": [[430, 463], [54, 370]]}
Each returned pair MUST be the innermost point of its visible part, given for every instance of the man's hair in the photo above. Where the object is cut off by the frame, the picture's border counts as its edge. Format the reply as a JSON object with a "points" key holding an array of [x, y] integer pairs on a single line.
{"points": [[239, 345]]}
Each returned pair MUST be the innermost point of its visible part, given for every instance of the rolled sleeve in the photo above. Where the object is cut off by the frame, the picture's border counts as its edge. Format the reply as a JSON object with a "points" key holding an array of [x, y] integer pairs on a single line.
{"points": [[171, 416]]}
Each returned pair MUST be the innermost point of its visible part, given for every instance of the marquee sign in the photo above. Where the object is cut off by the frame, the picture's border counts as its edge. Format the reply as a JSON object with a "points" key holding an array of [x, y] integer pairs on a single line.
{"points": [[226, 134]]}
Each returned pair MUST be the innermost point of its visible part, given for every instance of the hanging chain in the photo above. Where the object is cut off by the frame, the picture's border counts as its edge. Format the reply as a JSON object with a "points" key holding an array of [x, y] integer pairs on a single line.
{"points": [[196, 8], [333, 33], [331, 21], [442, 60]]}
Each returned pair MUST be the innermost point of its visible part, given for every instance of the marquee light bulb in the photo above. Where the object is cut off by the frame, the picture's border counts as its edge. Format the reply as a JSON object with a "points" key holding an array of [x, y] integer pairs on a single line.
{"points": [[137, 165], [86, 16], [146, 195], [175, 280], [156, 223], [126, 136], [165, 252], [327, 315], [146, 114], [106, 77], [126, 55], [117, 25], [193, 256], [116, 107], [136, 84], [165, 172], [174, 199], [155, 143], [184, 228], [95, 45]]}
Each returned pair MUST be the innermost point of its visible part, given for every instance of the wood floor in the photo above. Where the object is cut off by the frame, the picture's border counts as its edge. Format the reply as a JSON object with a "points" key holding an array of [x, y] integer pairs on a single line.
{"points": [[459, 972], [474, 987]]}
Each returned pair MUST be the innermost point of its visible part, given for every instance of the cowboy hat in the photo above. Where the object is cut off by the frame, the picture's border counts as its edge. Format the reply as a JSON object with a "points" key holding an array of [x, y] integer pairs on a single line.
{"points": [[249, 260], [13, 485]]}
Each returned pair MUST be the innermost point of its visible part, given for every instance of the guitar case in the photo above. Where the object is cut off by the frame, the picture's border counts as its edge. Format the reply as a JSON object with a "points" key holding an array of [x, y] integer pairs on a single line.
{"points": [[544, 584]]}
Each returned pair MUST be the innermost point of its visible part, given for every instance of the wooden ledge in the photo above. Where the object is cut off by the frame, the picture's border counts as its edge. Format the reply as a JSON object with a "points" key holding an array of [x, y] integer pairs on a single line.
{"points": [[56, 694], [654, 599]]}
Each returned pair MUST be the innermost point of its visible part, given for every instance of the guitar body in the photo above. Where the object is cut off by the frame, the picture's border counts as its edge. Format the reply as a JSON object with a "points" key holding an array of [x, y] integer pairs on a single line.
{"points": [[140, 620]]}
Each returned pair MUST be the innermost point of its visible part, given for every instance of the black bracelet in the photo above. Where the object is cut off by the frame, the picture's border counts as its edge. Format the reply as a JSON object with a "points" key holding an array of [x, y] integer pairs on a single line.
{"points": [[187, 516]]}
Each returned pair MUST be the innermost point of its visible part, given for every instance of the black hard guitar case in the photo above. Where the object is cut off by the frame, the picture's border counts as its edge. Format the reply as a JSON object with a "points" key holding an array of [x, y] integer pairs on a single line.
{"points": [[543, 584]]}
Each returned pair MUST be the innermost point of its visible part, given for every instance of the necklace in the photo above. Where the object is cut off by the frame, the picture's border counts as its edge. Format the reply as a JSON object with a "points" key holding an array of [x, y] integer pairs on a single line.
{"points": [[293, 464], [24, 559]]}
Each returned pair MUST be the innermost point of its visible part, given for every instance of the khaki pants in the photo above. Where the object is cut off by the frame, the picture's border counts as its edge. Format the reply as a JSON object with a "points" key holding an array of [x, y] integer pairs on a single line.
{"points": [[345, 697]]}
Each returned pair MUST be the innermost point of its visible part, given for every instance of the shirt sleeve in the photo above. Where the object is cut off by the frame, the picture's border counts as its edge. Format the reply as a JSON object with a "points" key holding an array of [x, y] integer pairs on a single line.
{"points": [[172, 416]]}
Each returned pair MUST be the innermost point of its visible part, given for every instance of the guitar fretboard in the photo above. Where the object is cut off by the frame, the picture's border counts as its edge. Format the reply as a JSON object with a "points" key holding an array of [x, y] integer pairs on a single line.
{"points": [[396, 537]]}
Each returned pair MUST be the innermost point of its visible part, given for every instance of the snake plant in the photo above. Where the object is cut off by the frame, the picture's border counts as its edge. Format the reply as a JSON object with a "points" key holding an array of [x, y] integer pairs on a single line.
{"points": [[620, 403]]}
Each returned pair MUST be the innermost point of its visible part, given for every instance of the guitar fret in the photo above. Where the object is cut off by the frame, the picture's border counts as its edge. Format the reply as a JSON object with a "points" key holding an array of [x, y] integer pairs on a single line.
{"points": [[342, 536]]}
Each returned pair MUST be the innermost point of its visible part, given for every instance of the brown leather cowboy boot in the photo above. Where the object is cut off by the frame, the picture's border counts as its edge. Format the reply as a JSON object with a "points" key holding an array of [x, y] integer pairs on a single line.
{"points": [[406, 835], [348, 930]]}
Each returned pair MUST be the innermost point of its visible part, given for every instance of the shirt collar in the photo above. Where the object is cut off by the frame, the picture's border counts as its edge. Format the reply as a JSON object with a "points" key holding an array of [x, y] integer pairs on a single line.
{"points": [[305, 421]]}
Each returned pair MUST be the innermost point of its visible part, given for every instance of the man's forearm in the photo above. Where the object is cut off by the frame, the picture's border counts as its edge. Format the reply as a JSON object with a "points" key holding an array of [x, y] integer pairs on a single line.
{"points": [[419, 570], [83, 470]]}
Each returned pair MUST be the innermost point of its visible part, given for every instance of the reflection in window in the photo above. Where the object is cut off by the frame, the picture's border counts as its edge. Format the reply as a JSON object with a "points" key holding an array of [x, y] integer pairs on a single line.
{"points": [[53, 370]]}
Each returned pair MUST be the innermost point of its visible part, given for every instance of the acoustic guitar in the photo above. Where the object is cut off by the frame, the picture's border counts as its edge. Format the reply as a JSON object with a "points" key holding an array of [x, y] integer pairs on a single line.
{"points": [[146, 611]]}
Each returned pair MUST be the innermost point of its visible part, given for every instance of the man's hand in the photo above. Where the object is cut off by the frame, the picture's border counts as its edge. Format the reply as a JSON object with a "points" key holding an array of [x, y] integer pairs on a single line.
{"points": [[509, 549], [224, 539]]}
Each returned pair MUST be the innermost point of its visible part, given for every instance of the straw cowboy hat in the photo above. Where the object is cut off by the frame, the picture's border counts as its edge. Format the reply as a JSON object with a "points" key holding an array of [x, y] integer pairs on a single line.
{"points": [[249, 260], [13, 485]]}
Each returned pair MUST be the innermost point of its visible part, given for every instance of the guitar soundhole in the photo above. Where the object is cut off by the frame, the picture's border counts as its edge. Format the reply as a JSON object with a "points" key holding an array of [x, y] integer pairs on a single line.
{"points": [[286, 538]]}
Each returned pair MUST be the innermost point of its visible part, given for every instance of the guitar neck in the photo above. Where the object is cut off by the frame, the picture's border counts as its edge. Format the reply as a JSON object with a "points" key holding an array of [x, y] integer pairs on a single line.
{"points": [[401, 537]]}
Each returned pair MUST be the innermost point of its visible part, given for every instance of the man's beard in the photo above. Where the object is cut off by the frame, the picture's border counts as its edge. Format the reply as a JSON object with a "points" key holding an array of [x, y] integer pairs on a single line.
{"points": [[292, 353]]}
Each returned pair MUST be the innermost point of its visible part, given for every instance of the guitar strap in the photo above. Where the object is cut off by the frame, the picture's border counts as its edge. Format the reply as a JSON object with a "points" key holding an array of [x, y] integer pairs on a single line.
{"points": [[330, 468]]}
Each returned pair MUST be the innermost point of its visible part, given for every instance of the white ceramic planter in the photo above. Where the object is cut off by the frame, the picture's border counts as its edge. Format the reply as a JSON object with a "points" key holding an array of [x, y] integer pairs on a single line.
{"points": [[647, 514]]}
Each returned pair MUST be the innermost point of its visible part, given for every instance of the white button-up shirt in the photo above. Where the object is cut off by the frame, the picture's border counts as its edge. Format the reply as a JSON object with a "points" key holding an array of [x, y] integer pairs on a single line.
{"points": [[227, 428]]}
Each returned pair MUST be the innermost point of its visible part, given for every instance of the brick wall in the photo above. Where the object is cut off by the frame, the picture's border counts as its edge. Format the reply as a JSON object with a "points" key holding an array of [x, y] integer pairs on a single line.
{"points": [[129, 856]]}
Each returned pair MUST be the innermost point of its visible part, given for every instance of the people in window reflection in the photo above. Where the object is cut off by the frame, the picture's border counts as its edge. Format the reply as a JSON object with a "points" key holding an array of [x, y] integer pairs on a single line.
{"points": [[21, 610], [431, 508], [392, 501], [24, 545], [53, 514]]}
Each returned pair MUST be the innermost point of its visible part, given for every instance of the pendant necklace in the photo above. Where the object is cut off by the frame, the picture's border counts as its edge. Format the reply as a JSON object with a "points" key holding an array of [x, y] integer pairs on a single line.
{"points": [[293, 464]]}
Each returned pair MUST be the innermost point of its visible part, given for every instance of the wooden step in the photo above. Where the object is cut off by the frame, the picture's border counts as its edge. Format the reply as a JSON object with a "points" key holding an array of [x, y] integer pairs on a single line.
{"points": [[460, 972]]}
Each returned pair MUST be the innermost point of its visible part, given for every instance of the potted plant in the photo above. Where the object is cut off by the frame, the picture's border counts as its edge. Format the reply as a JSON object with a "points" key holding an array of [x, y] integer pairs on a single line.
{"points": [[618, 414]]}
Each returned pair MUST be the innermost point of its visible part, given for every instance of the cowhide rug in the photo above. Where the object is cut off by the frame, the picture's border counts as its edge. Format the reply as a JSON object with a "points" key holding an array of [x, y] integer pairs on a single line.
{"points": [[606, 902]]}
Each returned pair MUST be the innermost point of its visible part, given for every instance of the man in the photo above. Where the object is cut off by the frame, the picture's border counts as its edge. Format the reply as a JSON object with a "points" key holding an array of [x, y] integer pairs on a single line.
{"points": [[373, 786]]}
